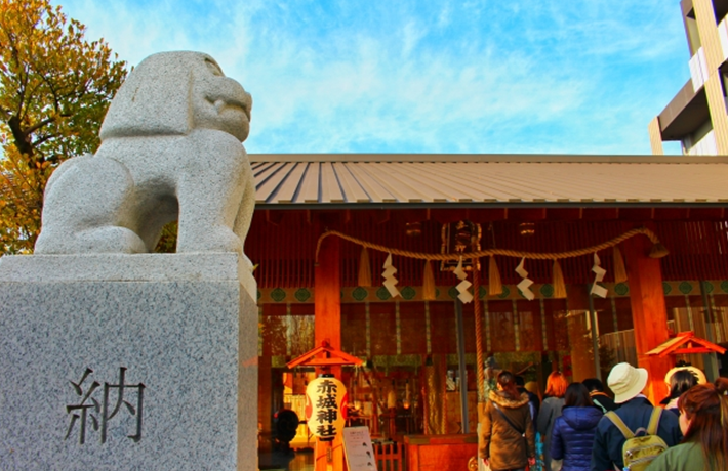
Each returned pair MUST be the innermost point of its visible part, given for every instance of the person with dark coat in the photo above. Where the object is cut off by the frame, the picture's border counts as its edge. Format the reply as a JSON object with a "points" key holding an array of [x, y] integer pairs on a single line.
{"points": [[635, 410], [507, 439], [600, 398], [572, 439], [533, 400]]}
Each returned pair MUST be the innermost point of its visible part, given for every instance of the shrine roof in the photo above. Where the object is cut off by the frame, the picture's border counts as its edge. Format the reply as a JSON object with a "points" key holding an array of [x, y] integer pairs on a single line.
{"points": [[685, 342], [430, 180]]}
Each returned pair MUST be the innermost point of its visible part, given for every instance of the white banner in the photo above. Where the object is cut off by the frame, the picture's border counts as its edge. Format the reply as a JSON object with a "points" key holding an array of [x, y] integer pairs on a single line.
{"points": [[464, 286], [596, 289], [525, 285], [390, 282]]}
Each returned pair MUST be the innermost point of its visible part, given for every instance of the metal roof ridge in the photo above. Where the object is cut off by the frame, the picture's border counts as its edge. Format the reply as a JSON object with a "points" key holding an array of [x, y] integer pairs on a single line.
{"points": [[489, 158]]}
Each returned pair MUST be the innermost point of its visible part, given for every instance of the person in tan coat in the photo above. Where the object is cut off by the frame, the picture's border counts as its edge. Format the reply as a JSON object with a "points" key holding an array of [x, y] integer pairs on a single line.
{"points": [[507, 439]]}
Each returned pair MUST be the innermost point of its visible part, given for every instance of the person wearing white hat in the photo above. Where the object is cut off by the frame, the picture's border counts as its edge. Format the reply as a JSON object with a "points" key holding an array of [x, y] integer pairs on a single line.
{"points": [[627, 383]]}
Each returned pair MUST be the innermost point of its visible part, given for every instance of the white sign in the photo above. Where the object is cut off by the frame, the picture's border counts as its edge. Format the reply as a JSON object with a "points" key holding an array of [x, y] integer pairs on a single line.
{"points": [[358, 449]]}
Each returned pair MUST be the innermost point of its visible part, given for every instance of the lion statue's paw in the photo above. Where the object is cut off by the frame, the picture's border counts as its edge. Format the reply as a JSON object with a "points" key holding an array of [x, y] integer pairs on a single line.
{"points": [[215, 239]]}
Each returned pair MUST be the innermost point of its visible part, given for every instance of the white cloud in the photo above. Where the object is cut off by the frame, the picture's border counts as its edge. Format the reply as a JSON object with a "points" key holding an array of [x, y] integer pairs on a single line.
{"points": [[443, 19], [412, 34], [480, 77]]}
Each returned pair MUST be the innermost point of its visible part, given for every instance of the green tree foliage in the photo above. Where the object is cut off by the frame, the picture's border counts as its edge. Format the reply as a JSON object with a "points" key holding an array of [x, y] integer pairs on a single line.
{"points": [[55, 89]]}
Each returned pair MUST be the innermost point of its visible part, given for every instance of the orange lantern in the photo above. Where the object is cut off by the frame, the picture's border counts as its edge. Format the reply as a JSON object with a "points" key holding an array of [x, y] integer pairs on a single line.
{"points": [[326, 406]]}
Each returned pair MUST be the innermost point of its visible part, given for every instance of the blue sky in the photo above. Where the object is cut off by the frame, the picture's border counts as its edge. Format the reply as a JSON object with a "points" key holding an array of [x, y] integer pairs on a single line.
{"points": [[400, 76]]}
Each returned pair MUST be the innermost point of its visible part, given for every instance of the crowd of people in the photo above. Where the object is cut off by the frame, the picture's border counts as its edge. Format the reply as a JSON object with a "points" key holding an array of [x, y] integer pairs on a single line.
{"points": [[579, 427]]}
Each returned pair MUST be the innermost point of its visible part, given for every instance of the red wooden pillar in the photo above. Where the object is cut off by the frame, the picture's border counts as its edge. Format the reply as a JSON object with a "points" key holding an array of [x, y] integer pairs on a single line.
{"points": [[327, 309], [327, 294], [265, 402], [648, 313]]}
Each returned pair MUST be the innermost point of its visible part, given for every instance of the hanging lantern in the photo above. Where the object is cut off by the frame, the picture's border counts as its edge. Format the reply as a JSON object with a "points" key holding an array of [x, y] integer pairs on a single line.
{"points": [[460, 238], [326, 406], [526, 229], [413, 229]]}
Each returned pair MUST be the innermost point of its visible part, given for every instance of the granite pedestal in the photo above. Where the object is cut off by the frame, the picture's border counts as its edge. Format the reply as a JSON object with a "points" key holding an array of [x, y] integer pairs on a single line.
{"points": [[128, 362]]}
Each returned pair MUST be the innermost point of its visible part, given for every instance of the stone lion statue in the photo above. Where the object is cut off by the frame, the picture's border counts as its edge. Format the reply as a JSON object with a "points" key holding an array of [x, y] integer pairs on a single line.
{"points": [[171, 149]]}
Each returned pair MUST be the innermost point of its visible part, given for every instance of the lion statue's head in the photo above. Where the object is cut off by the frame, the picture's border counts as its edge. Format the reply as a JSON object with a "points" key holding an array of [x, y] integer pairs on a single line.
{"points": [[172, 93]]}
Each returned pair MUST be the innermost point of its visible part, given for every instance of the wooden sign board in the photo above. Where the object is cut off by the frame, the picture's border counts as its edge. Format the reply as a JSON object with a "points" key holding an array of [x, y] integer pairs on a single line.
{"points": [[358, 449]]}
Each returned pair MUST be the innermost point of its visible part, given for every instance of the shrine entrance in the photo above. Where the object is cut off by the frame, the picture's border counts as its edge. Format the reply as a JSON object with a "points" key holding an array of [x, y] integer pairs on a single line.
{"points": [[414, 379]]}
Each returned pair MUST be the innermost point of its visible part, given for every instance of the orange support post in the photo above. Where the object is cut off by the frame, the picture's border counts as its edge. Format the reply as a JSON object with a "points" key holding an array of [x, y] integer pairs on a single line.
{"points": [[327, 299], [327, 296], [648, 313]]}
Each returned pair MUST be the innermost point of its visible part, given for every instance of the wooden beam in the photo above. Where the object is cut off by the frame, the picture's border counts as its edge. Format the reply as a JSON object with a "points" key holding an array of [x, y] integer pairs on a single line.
{"points": [[664, 214], [648, 314], [706, 214], [599, 214], [327, 356], [444, 216], [412, 215], [681, 351], [329, 362], [484, 215], [563, 214], [526, 214], [635, 214]]}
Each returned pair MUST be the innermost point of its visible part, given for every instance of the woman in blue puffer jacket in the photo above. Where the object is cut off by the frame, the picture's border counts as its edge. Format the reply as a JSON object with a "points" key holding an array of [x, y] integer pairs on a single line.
{"points": [[573, 436]]}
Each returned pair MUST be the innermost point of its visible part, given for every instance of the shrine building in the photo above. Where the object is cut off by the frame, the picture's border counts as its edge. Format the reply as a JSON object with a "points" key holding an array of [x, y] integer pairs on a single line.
{"points": [[574, 254]]}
